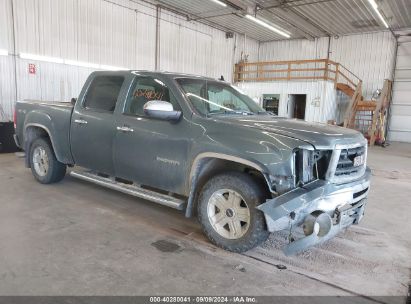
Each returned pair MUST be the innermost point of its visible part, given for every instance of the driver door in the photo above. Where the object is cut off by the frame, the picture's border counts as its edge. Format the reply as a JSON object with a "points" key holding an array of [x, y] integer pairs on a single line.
{"points": [[149, 151]]}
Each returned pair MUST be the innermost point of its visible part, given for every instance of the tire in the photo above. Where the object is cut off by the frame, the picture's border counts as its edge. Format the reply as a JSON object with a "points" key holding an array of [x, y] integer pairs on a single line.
{"points": [[216, 196], [44, 165]]}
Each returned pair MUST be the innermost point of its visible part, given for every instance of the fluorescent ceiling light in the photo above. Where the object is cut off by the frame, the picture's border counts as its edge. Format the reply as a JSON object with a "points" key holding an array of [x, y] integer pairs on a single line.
{"points": [[4, 52], [266, 25], [82, 64], [375, 7], [41, 58], [66, 61], [219, 2], [112, 68]]}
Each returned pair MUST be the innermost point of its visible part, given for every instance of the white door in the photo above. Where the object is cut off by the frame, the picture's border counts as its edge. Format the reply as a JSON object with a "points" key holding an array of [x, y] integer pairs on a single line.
{"points": [[290, 106]]}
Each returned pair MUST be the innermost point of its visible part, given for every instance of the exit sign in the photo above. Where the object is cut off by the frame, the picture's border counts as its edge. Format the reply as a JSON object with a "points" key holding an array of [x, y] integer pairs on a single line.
{"points": [[32, 68]]}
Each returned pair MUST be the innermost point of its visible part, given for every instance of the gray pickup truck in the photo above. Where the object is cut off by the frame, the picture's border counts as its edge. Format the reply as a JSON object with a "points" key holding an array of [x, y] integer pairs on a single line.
{"points": [[201, 145]]}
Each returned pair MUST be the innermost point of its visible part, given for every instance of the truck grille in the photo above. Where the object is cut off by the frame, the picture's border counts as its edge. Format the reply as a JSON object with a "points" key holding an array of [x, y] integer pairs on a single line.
{"points": [[348, 162], [346, 165]]}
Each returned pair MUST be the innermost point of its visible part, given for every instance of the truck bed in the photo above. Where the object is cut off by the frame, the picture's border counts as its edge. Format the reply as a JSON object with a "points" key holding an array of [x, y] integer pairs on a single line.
{"points": [[52, 117], [46, 103]]}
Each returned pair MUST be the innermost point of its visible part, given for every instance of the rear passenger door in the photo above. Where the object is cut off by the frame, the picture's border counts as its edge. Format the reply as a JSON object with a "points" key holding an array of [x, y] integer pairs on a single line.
{"points": [[93, 124]]}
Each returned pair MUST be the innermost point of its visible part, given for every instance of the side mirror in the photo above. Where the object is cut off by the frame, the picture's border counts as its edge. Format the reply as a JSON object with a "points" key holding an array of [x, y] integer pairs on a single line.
{"points": [[161, 110], [73, 101]]}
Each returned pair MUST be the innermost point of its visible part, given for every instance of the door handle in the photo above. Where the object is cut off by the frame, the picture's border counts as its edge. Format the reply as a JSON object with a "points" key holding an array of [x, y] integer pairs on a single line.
{"points": [[125, 129], [81, 121]]}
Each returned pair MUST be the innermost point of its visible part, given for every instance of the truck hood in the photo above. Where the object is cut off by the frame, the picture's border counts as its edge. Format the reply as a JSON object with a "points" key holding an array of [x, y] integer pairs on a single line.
{"points": [[317, 134]]}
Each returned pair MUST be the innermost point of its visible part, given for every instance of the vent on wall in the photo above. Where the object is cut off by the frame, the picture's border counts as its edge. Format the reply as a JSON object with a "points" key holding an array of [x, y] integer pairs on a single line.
{"points": [[364, 23]]}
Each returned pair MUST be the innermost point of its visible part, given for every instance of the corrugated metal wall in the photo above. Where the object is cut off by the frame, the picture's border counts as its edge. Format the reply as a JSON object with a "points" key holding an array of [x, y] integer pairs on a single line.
{"points": [[246, 47], [369, 56], [294, 49], [400, 120], [7, 79], [123, 33], [118, 33]]}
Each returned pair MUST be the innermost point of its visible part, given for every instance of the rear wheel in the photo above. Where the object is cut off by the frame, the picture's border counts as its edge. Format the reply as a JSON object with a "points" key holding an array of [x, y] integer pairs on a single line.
{"points": [[227, 212], [44, 165]]}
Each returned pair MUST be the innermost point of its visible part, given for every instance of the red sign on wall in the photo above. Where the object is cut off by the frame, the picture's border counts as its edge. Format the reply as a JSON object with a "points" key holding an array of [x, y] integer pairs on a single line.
{"points": [[32, 68]]}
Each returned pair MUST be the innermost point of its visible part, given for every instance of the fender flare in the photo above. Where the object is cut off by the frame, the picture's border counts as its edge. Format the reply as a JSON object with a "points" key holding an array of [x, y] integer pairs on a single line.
{"points": [[57, 131], [28, 143], [195, 170]]}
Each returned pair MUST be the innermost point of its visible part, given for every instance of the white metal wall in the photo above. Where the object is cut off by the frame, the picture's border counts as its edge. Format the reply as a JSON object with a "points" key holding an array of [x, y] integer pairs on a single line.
{"points": [[320, 103], [300, 49], [246, 47], [370, 56], [7, 88], [400, 120], [118, 33], [122, 33]]}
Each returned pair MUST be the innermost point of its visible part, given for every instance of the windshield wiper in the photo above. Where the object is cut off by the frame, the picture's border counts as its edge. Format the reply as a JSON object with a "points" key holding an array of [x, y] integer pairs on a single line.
{"points": [[247, 112], [266, 113]]}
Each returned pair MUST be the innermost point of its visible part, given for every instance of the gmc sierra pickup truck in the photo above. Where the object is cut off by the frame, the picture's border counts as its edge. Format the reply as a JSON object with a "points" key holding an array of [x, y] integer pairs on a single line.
{"points": [[201, 145]]}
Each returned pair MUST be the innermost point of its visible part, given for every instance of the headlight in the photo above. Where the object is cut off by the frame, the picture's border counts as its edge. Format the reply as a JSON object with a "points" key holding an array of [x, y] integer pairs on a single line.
{"points": [[304, 166], [310, 165]]}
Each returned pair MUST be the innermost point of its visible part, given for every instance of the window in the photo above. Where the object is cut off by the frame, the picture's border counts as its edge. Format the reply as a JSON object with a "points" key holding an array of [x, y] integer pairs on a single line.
{"points": [[146, 89], [213, 97], [271, 103], [103, 93]]}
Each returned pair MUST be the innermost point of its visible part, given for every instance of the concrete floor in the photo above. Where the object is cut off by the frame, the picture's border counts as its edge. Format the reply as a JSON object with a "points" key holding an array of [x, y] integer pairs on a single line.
{"points": [[74, 238]]}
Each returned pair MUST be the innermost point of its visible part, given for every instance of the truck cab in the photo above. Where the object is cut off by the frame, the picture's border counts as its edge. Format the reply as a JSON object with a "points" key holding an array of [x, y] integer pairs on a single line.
{"points": [[122, 140]]}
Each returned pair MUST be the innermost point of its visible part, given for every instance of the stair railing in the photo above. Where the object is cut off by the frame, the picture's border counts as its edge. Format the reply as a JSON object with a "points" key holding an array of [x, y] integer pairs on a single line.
{"points": [[347, 76], [291, 70]]}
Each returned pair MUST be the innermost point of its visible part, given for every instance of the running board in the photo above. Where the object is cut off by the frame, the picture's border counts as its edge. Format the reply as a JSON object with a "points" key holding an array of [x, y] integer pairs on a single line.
{"points": [[133, 190]]}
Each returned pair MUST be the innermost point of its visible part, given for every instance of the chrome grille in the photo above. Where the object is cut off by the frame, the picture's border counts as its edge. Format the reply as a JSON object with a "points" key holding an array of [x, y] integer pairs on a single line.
{"points": [[345, 165], [342, 167]]}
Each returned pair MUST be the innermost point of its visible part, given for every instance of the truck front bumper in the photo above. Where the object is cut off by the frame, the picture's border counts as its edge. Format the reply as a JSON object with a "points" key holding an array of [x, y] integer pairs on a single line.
{"points": [[322, 209]]}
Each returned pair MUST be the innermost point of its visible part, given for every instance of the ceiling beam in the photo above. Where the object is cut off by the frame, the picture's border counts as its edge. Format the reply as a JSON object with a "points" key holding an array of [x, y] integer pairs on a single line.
{"points": [[292, 3], [308, 20], [189, 16], [289, 6], [296, 27]]}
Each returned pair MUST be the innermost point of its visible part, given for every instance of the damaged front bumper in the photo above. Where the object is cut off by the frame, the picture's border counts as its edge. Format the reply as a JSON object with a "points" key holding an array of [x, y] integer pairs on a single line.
{"points": [[321, 208]]}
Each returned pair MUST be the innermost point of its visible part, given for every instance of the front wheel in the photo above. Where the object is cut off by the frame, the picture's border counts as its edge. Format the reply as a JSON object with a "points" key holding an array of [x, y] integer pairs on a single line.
{"points": [[44, 165], [227, 212]]}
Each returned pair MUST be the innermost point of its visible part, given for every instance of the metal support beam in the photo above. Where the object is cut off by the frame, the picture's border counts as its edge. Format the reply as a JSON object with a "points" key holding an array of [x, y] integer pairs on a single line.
{"points": [[157, 45], [290, 6], [297, 28]]}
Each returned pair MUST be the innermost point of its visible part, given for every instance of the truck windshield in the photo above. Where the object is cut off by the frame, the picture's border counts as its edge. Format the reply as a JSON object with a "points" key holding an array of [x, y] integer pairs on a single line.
{"points": [[218, 98]]}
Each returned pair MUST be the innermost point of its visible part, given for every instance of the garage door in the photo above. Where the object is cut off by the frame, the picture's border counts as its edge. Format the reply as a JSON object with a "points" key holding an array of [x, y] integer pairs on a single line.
{"points": [[400, 125]]}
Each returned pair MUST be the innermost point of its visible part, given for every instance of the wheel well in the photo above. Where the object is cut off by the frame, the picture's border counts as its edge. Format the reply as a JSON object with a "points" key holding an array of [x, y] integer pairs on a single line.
{"points": [[30, 135], [209, 167]]}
